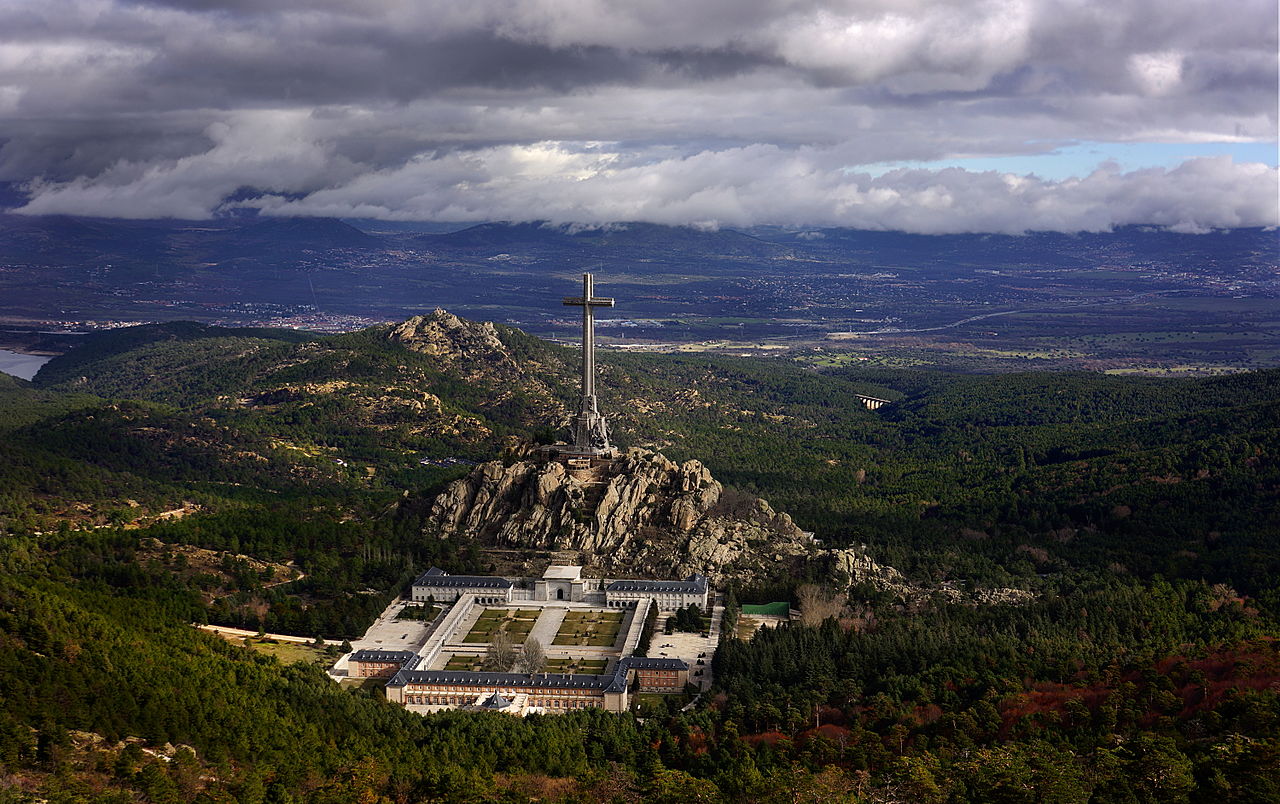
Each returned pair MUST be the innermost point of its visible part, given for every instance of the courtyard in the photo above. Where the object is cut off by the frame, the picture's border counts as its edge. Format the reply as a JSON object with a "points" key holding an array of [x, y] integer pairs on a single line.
{"points": [[586, 667], [515, 623], [463, 662], [589, 629]]}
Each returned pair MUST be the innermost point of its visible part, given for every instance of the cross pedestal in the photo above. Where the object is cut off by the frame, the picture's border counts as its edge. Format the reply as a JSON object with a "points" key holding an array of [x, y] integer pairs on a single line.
{"points": [[590, 434]]}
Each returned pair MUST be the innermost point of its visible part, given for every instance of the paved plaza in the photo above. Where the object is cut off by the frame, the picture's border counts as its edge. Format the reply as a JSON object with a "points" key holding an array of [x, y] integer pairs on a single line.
{"points": [[390, 633], [692, 648]]}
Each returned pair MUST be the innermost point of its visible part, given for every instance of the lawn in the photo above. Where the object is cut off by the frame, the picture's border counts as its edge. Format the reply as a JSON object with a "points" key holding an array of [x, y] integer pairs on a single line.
{"points": [[589, 628], [361, 683], [423, 613], [463, 663], [588, 667], [517, 625], [594, 616], [292, 652], [649, 704]]}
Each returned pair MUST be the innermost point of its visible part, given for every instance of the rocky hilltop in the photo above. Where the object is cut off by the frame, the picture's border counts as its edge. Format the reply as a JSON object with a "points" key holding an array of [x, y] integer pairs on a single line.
{"points": [[646, 515], [642, 514], [454, 341], [476, 352]]}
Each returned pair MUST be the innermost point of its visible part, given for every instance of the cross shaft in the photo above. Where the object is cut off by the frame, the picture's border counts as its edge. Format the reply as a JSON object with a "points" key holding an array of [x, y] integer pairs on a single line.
{"points": [[589, 430], [587, 301]]}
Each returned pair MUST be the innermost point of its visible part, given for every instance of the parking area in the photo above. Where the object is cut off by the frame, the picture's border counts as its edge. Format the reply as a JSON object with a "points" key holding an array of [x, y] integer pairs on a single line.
{"points": [[695, 649], [389, 633]]}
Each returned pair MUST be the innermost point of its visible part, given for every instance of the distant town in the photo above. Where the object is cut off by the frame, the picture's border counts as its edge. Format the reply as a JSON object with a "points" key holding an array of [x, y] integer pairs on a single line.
{"points": [[1134, 300]]}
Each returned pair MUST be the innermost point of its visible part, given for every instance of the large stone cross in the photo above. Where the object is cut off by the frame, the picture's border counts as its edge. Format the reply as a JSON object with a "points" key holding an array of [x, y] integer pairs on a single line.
{"points": [[590, 435]]}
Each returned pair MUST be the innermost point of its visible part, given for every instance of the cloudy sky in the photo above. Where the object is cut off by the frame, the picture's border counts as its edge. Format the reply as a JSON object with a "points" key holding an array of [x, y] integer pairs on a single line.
{"points": [[966, 115]]}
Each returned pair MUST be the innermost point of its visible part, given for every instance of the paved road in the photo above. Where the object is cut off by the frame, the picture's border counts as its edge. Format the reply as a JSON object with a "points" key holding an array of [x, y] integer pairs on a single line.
{"points": [[1037, 309], [242, 632], [547, 627]]}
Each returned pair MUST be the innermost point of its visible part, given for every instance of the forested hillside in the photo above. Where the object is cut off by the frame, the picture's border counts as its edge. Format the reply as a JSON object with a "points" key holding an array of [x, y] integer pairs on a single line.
{"points": [[963, 476], [1140, 515]]}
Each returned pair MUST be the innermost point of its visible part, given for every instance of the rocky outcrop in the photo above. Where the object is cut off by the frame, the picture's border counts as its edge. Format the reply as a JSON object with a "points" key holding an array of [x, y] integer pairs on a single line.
{"points": [[452, 339], [858, 567], [646, 515], [642, 514], [475, 351], [853, 565]]}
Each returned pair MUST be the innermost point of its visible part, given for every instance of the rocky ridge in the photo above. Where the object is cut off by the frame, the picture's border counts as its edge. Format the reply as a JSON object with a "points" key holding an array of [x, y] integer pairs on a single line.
{"points": [[643, 514], [646, 515], [853, 565]]}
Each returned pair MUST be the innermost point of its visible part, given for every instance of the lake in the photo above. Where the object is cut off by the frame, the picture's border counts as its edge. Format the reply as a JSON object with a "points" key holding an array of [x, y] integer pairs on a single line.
{"points": [[24, 366]]}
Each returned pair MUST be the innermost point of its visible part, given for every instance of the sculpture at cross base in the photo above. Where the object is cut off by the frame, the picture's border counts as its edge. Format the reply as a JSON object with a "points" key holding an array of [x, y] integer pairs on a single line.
{"points": [[590, 433]]}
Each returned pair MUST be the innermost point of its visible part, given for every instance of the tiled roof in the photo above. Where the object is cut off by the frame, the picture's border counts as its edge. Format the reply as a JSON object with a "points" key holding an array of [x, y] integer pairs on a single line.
{"points": [[439, 578], [484, 679], [694, 584]]}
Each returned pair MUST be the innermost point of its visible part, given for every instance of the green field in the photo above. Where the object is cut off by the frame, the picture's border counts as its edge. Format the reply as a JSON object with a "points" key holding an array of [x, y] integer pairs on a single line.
{"points": [[515, 623], [590, 667], [589, 628], [291, 652], [780, 609], [463, 663]]}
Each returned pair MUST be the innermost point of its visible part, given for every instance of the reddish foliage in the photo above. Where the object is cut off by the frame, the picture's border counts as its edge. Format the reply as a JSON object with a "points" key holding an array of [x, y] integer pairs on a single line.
{"points": [[536, 786], [768, 738], [1048, 698], [697, 741], [1253, 666], [836, 734], [924, 715], [831, 714]]}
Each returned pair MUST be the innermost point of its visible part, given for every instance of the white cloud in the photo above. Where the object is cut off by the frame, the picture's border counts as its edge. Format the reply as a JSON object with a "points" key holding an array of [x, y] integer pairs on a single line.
{"points": [[764, 184], [729, 110], [1157, 73], [266, 149], [953, 48]]}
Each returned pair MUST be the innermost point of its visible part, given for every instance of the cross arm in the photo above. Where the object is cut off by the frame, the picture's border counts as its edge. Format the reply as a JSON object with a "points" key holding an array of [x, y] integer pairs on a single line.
{"points": [[595, 301]]}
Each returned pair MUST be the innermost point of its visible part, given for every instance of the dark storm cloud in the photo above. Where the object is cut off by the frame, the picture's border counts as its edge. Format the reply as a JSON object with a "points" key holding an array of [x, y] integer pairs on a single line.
{"points": [[61, 150], [731, 110]]}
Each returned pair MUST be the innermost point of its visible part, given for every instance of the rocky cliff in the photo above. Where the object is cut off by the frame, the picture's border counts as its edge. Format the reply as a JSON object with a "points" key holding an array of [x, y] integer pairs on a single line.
{"points": [[646, 515], [853, 565], [643, 515]]}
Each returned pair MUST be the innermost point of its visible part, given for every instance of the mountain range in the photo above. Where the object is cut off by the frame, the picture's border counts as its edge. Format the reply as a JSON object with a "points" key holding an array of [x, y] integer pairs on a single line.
{"points": [[681, 283]]}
